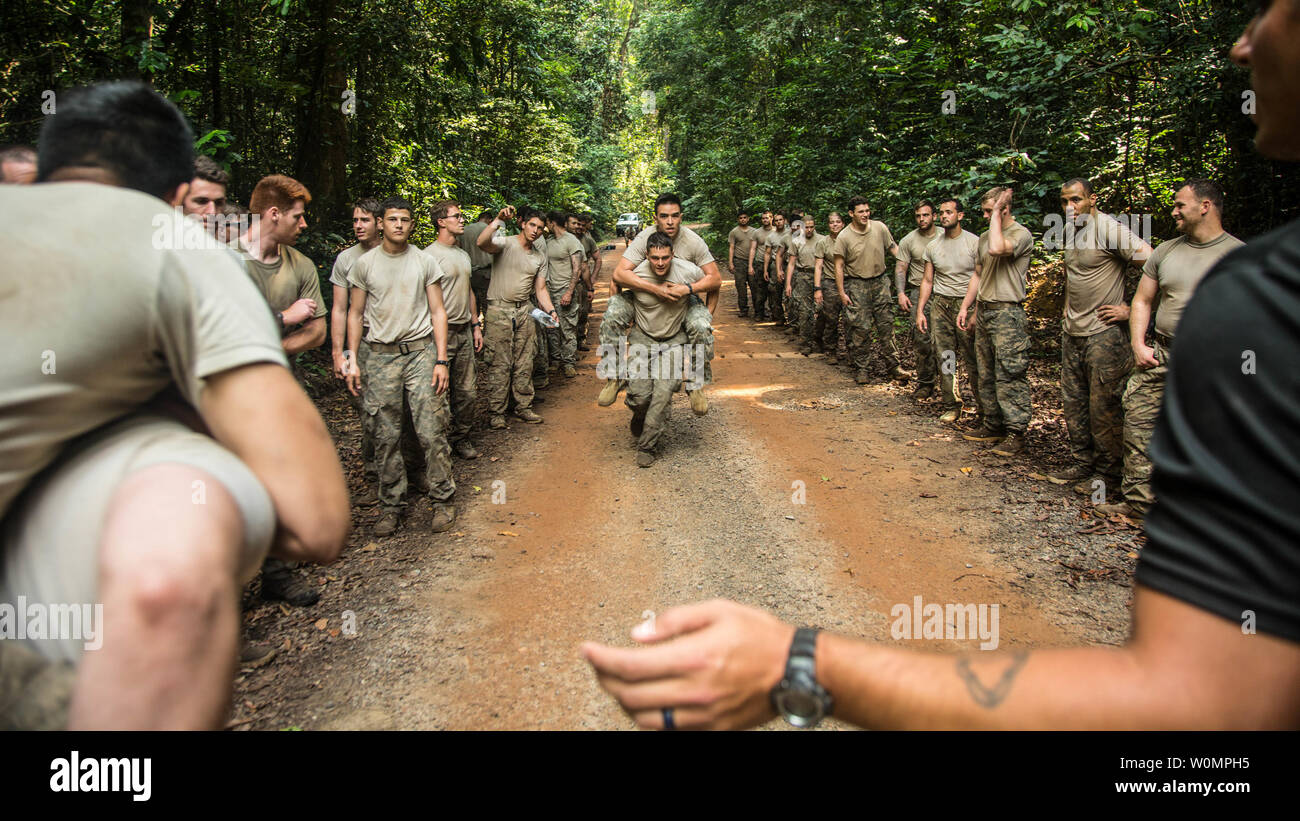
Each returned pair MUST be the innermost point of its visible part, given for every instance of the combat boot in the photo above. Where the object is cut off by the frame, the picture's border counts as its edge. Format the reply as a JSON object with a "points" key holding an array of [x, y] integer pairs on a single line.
{"points": [[497, 422], [1119, 509], [922, 392], [983, 434], [444, 516], [898, 374], [465, 449], [862, 378], [280, 583], [699, 402], [1010, 446], [1073, 473], [570, 371], [608, 393], [387, 524], [528, 415], [645, 458]]}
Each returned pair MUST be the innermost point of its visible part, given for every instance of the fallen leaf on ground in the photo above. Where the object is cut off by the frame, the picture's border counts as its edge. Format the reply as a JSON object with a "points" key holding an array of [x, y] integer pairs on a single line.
{"points": [[967, 470], [370, 548], [334, 633], [321, 623], [506, 533], [1040, 477]]}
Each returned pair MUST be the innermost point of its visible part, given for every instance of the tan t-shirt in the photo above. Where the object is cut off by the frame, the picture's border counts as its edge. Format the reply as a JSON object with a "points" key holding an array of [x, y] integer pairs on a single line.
{"points": [[100, 315], [455, 264], [864, 252], [655, 317], [911, 249], [806, 254], [954, 262], [1004, 279], [760, 241], [559, 268], [744, 239], [1096, 254], [776, 241], [514, 270], [589, 250], [688, 246], [1178, 266], [397, 304], [344, 262], [290, 278], [478, 258]]}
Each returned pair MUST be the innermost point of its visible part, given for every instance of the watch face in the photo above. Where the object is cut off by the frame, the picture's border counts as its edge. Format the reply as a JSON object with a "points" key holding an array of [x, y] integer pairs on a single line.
{"points": [[799, 707]]}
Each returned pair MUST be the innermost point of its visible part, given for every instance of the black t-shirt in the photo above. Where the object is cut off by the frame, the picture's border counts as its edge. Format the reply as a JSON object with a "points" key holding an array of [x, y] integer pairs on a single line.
{"points": [[1224, 533]]}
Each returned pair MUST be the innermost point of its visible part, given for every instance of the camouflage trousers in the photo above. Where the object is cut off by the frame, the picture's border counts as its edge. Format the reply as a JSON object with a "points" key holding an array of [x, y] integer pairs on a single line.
{"points": [[1142, 399], [1093, 372], [395, 378], [367, 430], [583, 297], [652, 398], [826, 328], [464, 381], [562, 342], [412, 455], [1002, 354], [479, 279], [740, 276], [758, 286], [872, 308], [951, 345], [698, 326], [775, 280], [923, 343], [802, 306], [509, 343]]}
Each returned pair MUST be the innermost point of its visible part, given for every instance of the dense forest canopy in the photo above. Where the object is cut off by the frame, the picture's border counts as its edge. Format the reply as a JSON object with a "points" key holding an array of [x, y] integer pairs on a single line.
{"points": [[600, 104]]}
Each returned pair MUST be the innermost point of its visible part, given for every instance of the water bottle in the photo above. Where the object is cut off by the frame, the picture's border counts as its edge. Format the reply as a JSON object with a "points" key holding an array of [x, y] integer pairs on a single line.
{"points": [[544, 318]]}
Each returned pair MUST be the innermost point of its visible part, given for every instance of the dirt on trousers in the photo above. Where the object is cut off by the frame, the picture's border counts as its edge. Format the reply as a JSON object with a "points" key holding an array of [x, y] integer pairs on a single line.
{"points": [[799, 492]]}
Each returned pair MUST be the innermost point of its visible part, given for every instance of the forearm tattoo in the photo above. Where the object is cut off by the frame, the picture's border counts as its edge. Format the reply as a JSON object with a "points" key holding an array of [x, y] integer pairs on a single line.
{"points": [[990, 697]]}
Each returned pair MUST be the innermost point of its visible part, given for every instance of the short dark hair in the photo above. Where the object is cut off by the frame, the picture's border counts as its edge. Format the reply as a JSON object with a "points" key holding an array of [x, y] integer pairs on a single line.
{"points": [[17, 153], [1206, 190], [370, 205], [487, 212], [557, 217], [742, 213], [924, 204], [395, 203], [1086, 183], [956, 204], [125, 128], [658, 240], [856, 201], [527, 212], [206, 168], [667, 199], [440, 208], [233, 209]]}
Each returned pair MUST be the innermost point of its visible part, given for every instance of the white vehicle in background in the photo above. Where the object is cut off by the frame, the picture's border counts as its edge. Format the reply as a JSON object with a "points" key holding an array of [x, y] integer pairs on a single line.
{"points": [[628, 225]]}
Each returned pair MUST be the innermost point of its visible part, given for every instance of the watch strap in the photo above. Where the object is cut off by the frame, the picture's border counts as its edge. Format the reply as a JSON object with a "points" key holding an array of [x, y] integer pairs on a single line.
{"points": [[438, 362]]}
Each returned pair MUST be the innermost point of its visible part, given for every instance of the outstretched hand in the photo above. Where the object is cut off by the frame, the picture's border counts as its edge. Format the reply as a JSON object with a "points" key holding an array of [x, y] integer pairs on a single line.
{"points": [[715, 663]]}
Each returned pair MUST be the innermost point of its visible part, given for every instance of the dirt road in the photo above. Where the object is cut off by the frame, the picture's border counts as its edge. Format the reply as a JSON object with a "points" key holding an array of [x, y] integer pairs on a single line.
{"points": [[799, 491]]}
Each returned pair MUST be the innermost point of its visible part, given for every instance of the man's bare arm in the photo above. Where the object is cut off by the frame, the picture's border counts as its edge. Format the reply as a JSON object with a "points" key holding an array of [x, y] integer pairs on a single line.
{"points": [[338, 328], [262, 416], [310, 335], [1184, 668]]}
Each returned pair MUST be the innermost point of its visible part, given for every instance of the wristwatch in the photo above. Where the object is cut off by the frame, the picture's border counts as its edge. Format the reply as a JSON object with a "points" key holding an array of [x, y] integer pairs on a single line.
{"points": [[798, 698], [279, 315], [438, 362]]}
